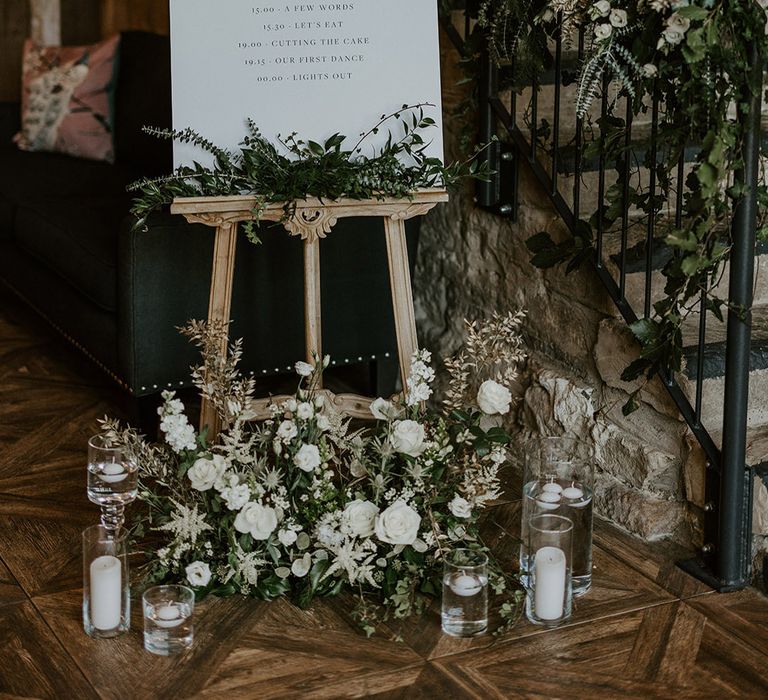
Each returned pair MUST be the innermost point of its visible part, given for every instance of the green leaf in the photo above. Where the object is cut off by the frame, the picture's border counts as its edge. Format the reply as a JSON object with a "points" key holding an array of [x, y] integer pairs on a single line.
{"points": [[692, 12]]}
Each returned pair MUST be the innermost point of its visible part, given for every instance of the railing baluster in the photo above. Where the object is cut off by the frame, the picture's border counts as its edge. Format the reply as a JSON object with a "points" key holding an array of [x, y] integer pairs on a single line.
{"points": [[556, 111], [700, 355], [680, 188], [651, 197], [625, 195], [601, 177], [579, 137], [534, 116]]}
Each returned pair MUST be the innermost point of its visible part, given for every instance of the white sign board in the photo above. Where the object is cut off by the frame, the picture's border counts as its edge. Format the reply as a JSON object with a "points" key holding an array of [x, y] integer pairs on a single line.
{"points": [[316, 68]]}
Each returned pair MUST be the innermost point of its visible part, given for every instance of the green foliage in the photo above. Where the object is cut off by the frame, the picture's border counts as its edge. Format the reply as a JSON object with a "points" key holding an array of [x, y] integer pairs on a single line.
{"points": [[295, 169], [698, 79]]}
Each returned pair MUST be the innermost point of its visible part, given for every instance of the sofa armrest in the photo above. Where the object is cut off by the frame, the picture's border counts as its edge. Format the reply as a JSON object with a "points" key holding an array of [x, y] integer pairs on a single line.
{"points": [[10, 121]]}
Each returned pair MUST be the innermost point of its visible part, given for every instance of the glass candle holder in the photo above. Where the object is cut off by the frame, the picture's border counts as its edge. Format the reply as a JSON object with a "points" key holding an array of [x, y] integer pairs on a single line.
{"points": [[465, 593], [106, 583], [112, 481], [168, 627], [549, 598], [559, 480]]}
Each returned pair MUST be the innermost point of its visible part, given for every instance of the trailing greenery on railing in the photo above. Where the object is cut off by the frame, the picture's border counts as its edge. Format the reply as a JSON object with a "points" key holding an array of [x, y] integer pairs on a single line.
{"points": [[696, 57], [295, 169]]}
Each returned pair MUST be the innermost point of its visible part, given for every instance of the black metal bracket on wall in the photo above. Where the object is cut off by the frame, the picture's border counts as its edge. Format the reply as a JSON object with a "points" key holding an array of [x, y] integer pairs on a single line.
{"points": [[499, 193]]}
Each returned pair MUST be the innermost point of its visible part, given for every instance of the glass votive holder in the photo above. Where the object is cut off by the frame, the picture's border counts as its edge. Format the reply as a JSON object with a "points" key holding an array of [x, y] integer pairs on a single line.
{"points": [[106, 583], [168, 627], [559, 480], [549, 598], [112, 480], [465, 593]]}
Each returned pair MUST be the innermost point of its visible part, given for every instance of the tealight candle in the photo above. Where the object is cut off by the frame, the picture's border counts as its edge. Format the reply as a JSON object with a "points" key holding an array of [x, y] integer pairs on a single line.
{"points": [[168, 616], [465, 585], [112, 473], [573, 492], [552, 487], [548, 501]]}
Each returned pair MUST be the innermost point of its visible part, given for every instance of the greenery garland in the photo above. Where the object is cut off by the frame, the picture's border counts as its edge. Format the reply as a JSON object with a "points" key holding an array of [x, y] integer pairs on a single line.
{"points": [[696, 57], [295, 169]]}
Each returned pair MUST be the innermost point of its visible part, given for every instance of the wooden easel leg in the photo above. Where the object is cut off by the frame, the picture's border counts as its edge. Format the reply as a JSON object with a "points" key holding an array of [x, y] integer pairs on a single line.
{"points": [[402, 295], [313, 332], [219, 306]]}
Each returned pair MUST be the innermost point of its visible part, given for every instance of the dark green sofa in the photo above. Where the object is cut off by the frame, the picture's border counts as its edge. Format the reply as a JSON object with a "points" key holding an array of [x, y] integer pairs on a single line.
{"points": [[68, 248]]}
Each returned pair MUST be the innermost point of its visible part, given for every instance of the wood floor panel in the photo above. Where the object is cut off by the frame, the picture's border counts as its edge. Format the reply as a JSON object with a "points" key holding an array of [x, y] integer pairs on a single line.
{"points": [[10, 590], [33, 664], [670, 651]]}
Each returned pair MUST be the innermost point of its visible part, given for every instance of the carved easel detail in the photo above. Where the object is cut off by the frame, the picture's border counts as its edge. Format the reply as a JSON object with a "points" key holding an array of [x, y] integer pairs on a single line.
{"points": [[312, 220]]}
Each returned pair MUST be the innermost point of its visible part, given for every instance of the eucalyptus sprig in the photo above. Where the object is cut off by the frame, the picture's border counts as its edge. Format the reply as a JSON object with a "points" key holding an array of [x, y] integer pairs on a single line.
{"points": [[294, 168]]}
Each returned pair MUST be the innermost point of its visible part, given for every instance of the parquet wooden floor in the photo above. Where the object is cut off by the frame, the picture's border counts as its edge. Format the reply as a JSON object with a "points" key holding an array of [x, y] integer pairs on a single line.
{"points": [[647, 630]]}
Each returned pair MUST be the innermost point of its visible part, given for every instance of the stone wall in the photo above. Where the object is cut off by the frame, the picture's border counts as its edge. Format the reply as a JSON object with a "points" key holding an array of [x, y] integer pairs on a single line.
{"points": [[472, 263]]}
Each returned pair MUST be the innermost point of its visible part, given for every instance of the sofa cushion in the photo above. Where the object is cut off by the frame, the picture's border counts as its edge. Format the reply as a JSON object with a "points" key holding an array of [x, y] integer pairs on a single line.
{"points": [[67, 99], [143, 98], [77, 238]]}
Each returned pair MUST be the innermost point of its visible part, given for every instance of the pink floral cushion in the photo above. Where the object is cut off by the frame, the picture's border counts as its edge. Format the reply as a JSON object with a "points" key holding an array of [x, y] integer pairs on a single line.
{"points": [[67, 99]]}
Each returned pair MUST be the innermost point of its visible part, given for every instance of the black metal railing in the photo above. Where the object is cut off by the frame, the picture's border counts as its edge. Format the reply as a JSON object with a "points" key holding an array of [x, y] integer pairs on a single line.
{"points": [[726, 556]]}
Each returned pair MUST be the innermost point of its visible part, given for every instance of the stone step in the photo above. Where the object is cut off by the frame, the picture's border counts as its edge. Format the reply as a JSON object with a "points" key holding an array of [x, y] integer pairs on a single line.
{"points": [[616, 348]]}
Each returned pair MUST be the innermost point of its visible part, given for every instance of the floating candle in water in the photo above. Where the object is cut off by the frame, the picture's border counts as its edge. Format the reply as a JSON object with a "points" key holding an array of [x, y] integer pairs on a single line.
{"points": [[552, 487], [548, 501], [466, 585], [573, 492], [167, 616], [112, 473]]}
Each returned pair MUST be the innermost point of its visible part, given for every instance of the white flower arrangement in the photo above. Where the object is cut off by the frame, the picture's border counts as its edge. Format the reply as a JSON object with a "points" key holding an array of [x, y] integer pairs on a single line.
{"points": [[302, 505]]}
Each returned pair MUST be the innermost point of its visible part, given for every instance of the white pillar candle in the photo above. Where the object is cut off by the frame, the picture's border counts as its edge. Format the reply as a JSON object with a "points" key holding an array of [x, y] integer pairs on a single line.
{"points": [[106, 592], [548, 501], [167, 616], [573, 492], [549, 583], [552, 487], [112, 473], [466, 585]]}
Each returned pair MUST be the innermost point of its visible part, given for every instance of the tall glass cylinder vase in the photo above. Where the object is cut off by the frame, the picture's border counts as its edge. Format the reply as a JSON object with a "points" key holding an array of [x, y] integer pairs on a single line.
{"points": [[559, 480], [549, 598], [106, 586]]}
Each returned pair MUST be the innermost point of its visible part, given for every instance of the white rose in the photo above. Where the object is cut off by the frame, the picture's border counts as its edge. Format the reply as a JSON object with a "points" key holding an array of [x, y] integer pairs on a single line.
{"points": [[603, 8], [257, 520], [303, 369], [360, 517], [671, 37], [305, 410], [618, 18], [678, 23], [287, 430], [398, 524], [323, 423], [290, 405], [603, 31], [236, 496], [460, 507], [287, 537], [307, 458], [301, 567], [383, 409], [493, 398], [204, 473], [408, 438], [650, 70], [198, 573]]}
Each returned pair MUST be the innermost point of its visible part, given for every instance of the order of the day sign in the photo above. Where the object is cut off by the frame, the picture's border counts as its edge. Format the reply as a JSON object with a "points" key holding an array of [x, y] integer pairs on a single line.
{"points": [[316, 68]]}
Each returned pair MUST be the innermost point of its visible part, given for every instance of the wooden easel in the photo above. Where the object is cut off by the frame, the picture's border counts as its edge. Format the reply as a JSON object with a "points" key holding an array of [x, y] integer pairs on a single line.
{"points": [[313, 219]]}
